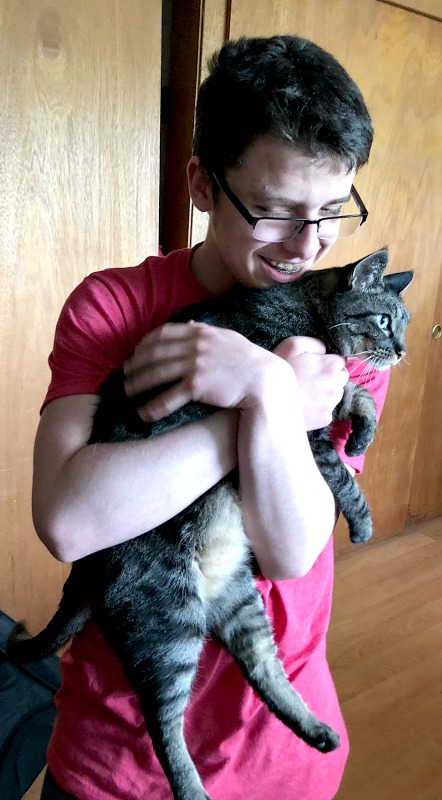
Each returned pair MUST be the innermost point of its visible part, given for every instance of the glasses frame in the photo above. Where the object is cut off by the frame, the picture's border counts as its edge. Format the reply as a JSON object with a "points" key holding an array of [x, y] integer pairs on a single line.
{"points": [[253, 221]]}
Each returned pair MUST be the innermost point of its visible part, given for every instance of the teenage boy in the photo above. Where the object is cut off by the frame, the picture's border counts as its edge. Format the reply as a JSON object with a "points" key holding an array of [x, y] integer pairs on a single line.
{"points": [[281, 131]]}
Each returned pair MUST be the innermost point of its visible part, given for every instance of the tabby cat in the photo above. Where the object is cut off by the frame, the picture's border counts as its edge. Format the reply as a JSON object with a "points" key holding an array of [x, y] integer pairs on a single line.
{"points": [[164, 586]]}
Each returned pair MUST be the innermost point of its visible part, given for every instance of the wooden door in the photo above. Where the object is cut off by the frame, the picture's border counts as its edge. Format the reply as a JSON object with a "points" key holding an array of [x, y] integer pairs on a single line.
{"points": [[395, 56], [79, 156]]}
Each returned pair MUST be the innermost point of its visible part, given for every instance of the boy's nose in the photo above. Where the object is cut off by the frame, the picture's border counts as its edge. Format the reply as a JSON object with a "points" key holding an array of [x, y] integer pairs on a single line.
{"points": [[304, 245]]}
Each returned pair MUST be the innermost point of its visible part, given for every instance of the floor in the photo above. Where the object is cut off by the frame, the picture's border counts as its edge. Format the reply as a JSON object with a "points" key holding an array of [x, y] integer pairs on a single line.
{"points": [[34, 792], [385, 652]]}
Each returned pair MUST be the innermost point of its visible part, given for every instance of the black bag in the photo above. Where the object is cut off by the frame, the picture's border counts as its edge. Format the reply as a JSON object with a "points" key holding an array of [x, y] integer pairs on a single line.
{"points": [[27, 714]]}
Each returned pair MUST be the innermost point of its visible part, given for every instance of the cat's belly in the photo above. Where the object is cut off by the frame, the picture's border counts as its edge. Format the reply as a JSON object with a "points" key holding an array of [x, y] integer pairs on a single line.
{"points": [[226, 546]]}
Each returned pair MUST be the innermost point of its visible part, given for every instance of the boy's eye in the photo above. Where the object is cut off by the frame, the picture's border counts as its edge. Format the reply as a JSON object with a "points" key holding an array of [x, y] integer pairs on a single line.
{"points": [[272, 212], [331, 212], [265, 211]]}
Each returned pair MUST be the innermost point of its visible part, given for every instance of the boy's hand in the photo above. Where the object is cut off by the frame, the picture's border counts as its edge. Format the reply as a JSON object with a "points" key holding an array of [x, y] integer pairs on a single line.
{"points": [[222, 368], [207, 364], [321, 377]]}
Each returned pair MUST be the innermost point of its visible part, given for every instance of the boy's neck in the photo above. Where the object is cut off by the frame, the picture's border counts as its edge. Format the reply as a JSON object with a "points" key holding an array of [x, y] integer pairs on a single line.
{"points": [[209, 271]]}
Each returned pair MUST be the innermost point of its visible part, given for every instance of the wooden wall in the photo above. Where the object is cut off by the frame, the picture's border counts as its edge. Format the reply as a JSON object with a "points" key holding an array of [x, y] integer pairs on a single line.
{"points": [[429, 8], [79, 155]]}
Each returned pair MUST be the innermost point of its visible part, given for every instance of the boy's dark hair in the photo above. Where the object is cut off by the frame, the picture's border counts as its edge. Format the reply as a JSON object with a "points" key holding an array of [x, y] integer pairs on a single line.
{"points": [[285, 86]]}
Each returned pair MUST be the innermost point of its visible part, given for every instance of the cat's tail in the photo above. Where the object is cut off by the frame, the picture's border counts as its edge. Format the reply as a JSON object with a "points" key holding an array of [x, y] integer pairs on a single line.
{"points": [[65, 623]]}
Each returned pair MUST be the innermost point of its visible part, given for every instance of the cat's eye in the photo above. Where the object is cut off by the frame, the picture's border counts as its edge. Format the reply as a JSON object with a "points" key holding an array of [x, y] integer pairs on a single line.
{"points": [[384, 321]]}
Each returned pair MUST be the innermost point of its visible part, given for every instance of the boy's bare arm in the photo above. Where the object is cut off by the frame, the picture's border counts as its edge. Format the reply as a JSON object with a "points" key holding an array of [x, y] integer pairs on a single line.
{"points": [[87, 497]]}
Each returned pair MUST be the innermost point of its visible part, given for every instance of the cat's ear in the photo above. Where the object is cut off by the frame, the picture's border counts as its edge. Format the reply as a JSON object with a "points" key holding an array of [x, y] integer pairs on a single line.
{"points": [[367, 273], [398, 281]]}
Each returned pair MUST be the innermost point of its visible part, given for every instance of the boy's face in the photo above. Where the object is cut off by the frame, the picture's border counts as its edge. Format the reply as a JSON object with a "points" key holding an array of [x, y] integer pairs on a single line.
{"points": [[274, 179]]}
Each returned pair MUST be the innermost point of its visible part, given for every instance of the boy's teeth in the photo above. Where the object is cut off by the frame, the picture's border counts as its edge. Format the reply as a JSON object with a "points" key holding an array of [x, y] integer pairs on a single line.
{"points": [[285, 267]]}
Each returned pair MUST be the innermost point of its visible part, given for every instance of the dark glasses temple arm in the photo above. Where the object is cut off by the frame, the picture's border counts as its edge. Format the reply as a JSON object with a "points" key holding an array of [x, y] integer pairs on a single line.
{"points": [[360, 202]]}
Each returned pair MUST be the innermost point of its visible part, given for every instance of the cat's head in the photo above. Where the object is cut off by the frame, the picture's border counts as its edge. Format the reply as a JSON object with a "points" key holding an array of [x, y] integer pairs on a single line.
{"points": [[369, 317]]}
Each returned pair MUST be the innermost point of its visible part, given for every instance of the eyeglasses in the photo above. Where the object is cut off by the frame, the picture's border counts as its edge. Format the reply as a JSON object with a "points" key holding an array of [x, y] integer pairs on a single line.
{"points": [[281, 229]]}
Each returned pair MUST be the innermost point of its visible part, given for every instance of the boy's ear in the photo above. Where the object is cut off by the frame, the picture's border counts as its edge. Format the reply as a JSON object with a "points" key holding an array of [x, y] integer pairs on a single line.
{"points": [[200, 186]]}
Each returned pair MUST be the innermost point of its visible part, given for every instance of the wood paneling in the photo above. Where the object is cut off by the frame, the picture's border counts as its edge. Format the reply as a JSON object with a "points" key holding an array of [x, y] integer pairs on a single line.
{"points": [[79, 164], [430, 8], [426, 483], [395, 58]]}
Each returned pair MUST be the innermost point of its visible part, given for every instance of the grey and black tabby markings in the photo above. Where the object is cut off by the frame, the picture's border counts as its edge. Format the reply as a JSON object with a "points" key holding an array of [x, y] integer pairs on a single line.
{"points": [[158, 596]]}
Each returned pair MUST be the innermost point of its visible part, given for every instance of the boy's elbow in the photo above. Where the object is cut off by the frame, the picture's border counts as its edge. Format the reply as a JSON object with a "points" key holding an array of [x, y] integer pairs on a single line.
{"points": [[287, 571], [58, 548], [55, 537], [285, 575]]}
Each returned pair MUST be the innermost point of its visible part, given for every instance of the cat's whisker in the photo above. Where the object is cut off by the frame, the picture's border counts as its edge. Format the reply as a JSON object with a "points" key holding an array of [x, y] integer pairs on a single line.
{"points": [[355, 381], [357, 367], [373, 363], [363, 352], [369, 368], [338, 324]]}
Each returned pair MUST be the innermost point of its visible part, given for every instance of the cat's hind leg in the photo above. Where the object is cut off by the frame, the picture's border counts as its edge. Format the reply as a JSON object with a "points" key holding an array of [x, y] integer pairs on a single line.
{"points": [[240, 622]]}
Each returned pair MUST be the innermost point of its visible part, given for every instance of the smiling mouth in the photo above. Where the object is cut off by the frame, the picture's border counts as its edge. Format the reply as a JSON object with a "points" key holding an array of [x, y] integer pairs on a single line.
{"points": [[286, 269]]}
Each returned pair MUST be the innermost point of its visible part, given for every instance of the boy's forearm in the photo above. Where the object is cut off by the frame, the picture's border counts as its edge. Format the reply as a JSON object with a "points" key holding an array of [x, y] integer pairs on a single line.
{"points": [[92, 504], [288, 509]]}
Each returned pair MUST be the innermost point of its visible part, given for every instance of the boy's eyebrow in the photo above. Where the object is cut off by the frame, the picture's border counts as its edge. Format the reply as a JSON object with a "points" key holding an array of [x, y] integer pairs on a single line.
{"points": [[287, 202], [339, 200]]}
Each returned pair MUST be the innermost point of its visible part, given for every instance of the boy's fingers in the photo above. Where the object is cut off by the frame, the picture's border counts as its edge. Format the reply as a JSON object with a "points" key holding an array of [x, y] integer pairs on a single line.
{"points": [[148, 378], [166, 403], [168, 342]]}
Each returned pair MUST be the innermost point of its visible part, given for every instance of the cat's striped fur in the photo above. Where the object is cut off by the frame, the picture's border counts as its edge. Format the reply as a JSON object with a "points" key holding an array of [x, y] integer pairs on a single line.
{"points": [[156, 597]]}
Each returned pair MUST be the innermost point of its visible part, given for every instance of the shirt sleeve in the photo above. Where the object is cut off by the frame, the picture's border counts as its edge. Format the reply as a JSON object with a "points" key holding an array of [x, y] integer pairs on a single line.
{"points": [[376, 382], [109, 313], [90, 339]]}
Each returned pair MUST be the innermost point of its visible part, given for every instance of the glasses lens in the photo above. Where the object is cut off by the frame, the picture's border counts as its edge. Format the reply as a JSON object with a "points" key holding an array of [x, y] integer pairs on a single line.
{"points": [[276, 230], [281, 230], [338, 228]]}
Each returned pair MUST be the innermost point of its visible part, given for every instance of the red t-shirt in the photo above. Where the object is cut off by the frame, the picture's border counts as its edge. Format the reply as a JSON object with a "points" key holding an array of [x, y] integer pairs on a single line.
{"points": [[100, 749]]}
